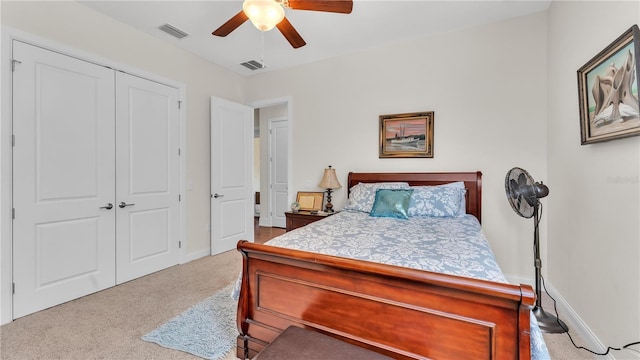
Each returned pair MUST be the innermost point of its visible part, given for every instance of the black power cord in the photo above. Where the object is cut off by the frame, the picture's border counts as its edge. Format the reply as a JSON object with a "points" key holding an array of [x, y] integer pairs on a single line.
{"points": [[609, 348]]}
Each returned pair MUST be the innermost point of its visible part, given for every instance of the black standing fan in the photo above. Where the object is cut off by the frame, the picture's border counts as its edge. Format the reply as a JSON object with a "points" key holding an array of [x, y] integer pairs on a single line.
{"points": [[523, 194]]}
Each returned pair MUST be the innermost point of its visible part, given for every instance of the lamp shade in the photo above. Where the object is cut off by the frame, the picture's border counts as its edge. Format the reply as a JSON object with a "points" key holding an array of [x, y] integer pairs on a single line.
{"points": [[329, 179], [264, 14]]}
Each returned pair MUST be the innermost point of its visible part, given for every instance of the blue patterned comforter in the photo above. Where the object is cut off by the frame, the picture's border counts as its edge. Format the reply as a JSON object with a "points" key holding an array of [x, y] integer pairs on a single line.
{"points": [[453, 246]]}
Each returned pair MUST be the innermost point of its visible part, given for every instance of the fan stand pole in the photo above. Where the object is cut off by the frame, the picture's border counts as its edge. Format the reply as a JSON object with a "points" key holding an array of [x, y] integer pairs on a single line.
{"points": [[547, 322]]}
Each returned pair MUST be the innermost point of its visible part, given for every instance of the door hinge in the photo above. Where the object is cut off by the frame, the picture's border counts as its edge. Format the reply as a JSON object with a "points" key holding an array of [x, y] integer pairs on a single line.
{"points": [[179, 197], [179, 104], [13, 213], [13, 140], [13, 64], [13, 288], [179, 244], [179, 151]]}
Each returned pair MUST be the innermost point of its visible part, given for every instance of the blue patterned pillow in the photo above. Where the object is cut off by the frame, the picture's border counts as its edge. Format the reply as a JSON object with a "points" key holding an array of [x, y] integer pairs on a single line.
{"points": [[463, 200], [392, 203], [436, 201], [362, 196]]}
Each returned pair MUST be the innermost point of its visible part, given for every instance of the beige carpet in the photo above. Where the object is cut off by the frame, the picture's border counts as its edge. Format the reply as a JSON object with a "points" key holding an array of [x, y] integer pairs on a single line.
{"points": [[108, 325], [559, 345]]}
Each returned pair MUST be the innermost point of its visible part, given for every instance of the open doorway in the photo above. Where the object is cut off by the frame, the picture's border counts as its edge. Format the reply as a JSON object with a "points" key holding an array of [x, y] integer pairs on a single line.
{"points": [[271, 163], [256, 165]]}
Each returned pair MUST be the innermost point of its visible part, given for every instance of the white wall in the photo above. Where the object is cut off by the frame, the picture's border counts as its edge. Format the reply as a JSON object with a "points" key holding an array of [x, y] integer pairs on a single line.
{"points": [[594, 206], [78, 27], [487, 87]]}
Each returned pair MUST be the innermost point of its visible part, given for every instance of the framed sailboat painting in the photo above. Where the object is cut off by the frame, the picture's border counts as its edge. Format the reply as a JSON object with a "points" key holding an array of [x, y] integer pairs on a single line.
{"points": [[406, 135]]}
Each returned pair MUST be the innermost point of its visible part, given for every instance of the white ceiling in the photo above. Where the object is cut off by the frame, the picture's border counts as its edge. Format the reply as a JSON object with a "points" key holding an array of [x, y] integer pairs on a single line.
{"points": [[371, 24]]}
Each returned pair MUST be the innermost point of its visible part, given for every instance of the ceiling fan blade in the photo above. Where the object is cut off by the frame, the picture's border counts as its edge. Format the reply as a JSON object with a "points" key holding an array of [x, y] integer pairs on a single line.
{"points": [[291, 34], [231, 24], [336, 6]]}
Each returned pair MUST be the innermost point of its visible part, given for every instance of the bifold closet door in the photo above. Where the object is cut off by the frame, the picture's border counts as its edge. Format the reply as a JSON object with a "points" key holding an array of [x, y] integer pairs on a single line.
{"points": [[63, 182], [95, 178], [147, 177]]}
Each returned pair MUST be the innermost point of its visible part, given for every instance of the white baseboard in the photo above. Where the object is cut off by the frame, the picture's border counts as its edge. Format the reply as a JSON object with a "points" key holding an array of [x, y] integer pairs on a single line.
{"points": [[568, 315], [196, 255], [576, 323], [264, 221]]}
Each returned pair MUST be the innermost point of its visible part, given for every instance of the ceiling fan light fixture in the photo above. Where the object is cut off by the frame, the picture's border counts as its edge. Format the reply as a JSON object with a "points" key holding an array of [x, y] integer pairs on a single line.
{"points": [[264, 14]]}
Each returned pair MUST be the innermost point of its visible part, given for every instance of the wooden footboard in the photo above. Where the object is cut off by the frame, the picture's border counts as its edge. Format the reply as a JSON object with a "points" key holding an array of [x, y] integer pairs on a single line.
{"points": [[400, 312]]}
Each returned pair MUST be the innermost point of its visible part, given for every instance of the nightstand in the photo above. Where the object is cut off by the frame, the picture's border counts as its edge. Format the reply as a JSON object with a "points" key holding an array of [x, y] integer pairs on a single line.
{"points": [[302, 218]]}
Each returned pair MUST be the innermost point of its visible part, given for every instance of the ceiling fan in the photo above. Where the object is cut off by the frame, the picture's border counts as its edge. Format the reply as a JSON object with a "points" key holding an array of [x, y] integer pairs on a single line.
{"points": [[266, 14]]}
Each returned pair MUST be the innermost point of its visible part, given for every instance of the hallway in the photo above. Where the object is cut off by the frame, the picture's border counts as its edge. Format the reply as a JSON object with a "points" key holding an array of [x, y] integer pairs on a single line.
{"points": [[263, 233]]}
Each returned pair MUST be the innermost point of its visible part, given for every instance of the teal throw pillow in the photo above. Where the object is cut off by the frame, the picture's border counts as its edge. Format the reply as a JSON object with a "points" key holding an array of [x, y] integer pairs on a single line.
{"points": [[392, 203]]}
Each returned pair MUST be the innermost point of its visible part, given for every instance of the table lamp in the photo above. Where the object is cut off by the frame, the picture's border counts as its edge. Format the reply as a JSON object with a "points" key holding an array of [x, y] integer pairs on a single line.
{"points": [[329, 181]]}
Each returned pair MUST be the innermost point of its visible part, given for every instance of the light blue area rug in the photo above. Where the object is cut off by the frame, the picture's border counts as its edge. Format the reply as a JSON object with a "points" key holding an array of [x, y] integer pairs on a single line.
{"points": [[208, 329]]}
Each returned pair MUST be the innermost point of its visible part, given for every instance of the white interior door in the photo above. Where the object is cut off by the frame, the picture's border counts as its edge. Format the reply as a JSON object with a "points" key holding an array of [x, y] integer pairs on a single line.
{"points": [[231, 174], [147, 176], [279, 173], [63, 240]]}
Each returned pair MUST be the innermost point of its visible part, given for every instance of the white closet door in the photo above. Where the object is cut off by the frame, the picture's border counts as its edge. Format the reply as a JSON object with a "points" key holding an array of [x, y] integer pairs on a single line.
{"points": [[147, 176], [63, 123]]}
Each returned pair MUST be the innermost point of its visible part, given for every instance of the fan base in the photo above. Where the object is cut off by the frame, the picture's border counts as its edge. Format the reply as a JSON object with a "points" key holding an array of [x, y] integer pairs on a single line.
{"points": [[549, 323]]}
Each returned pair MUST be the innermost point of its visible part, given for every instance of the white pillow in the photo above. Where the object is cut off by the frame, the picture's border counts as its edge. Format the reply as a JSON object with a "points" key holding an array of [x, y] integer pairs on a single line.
{"points": [[362, 195]]}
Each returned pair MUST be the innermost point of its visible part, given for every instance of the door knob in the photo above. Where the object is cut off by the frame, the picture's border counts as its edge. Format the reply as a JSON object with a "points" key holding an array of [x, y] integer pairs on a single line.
{"points": [[216, 195], [123, 205], [109, 206]]}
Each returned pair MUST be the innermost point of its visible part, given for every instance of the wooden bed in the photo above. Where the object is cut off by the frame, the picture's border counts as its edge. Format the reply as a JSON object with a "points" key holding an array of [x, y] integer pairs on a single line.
{"points": [[399, 312]]}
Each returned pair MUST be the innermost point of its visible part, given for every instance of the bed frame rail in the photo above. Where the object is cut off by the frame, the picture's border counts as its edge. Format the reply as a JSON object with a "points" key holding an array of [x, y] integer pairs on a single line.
{"points": [[399, 312]]}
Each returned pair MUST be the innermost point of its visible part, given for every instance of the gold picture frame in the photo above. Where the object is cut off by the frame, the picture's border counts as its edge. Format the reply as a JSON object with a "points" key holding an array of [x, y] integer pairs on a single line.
{"points": [[406, 135], [310, 201]]}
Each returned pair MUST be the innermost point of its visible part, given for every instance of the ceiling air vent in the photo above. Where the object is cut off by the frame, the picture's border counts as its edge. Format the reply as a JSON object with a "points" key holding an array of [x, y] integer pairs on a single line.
{"points": [[173, 31], [252, 65]]}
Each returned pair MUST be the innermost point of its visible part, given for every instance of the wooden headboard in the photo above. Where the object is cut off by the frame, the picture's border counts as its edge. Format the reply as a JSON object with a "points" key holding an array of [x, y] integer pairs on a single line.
{"points": [[472, 182]]}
